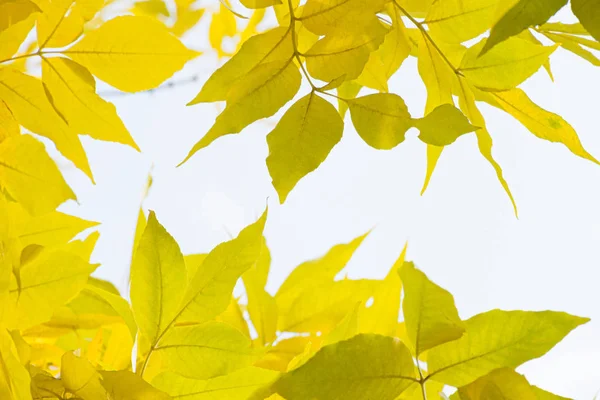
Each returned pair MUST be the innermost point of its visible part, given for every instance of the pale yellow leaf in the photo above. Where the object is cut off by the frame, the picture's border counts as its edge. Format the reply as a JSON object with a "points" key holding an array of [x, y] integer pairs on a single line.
{"points": [[443, 126], [456, 21], [8, 124], [223, 24]]}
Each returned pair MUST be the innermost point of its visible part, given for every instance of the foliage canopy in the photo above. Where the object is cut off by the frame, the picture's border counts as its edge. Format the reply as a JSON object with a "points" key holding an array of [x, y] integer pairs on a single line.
{"points": [[66, 335]]}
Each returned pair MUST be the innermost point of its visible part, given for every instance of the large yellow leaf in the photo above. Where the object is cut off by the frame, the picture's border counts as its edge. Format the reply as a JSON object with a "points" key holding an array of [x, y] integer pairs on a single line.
{"points": [[17, 18], [131, 53], [81, 378], [260, 94], [522, 15], [125, 385], [321, 308], [26, 170], [301, 141], [206, 350], [381, 120], [484, 139], [239, 385], [498, 339], [316, 272], [26, 98], [324, 16], [158, 279], [234, 316], [209, 291], [456, 21], [430, 315], [73, 91], [443, 126], [588, 13], [344, 53], [14, 379], [364, 367], [45, 281], [506, 65], [273, 45], [541, 123]]}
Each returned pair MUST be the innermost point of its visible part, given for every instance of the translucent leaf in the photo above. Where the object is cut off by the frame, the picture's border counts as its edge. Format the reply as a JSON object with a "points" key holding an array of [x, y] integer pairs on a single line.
{"points": [[381, 120], [26, 98], [443, 126], [131, 53], [61, 21], [588, 13], [81, 378], [456, 21], [522, 15], [501, 384], [8, 124], [239, 385], [301, 141], [430, 315], [498, 339], [125, 385], [73, 91], [15, 30], [324, 16], [158, 276], [205, 351], [26, 170], [382, 368], [14, 379], [506, 65]]}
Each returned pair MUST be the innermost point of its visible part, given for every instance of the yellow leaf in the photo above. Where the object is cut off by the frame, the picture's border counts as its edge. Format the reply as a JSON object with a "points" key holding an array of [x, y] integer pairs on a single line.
{"points": [[234, 316], [209, 291], [242, 384], [273, 45], [382, 316], [158, 276], [44, 385], [61, 21], [260, 3], [321, 308], [262, 307], [151, 8], [73, 91], [381, 120], [484, 139], [26, 98], [131, 53], [344, 53], [81, 378], [498, 339], [125, 385], [381, 368], [347, 90], [44, 282], [206, 350], [316, 272], [570, 43], [347, 328], [26, 170], [430, 315], [301, 141], [443, 126], [505, 66], [541, 123], [16, 21], [261, 93], [279, 356], [324, 16], [456, 21], [433, 390], [588, 13], [522, 15], [14, 379], [223, 24], [187, 17], [500, 384], [8, 124]]}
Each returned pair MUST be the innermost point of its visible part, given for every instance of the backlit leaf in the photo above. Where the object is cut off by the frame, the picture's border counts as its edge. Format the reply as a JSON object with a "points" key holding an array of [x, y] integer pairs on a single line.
{"points": [[125, 385], [457, 21], [14, 379], [443, 126]]}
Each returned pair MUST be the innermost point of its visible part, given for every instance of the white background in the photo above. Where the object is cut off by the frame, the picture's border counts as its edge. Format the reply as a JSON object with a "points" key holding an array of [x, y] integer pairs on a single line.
{"points": [[462, 232]]}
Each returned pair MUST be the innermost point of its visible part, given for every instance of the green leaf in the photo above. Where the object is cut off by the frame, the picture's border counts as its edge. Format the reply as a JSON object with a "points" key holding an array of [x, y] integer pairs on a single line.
{"points": [[158, 276], [443, 126], [522, 15], [301, 141], [361, 368], [381, 120], [430, 315], [588, 13], [498, 339]]}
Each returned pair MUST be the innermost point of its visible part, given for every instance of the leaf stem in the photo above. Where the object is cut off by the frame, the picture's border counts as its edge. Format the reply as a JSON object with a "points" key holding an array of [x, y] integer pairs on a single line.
{"points": [[420, 26], [421, 380]]}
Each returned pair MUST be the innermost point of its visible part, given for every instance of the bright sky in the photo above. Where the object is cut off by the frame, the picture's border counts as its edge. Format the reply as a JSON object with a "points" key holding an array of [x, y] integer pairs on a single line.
{"points": [[462, 232]]}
